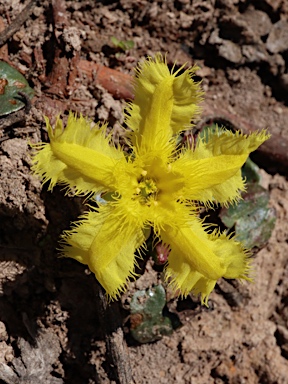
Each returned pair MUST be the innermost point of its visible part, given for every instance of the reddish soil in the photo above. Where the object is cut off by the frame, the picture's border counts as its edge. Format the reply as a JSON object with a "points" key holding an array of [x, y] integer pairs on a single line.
{"points": [[51, 327]]}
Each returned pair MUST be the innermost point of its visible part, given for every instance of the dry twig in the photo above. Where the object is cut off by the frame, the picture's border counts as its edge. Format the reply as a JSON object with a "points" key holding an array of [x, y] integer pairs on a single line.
{"points": [[4, 49], [117, 83], [116, 349]]}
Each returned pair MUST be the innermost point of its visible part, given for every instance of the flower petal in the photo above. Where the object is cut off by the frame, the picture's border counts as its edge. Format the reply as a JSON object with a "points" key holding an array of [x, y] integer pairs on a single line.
{"points": [[198, 259], [163, 105], [79, 157], [212, 179], [212, 172], [106, 242], [232, 252]]}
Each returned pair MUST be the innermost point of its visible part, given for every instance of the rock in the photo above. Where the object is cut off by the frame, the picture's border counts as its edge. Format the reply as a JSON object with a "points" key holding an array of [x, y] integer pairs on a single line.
{"points": [[254, 53], [276, 64], [230, 51], [258, 21], [35, 363], [234, 27], [284, 80], [226, 48], [274, 4], [246, 28], [214, 37], [278, 37]]}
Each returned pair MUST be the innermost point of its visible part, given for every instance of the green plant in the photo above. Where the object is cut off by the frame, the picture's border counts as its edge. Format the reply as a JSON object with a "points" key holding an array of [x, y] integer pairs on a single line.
{"points": [[157, 184], [124, 45], [11, 83]]}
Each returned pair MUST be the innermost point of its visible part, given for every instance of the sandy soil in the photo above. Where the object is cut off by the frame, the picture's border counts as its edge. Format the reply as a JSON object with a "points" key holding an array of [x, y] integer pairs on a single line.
{"points": [[51, 329]]}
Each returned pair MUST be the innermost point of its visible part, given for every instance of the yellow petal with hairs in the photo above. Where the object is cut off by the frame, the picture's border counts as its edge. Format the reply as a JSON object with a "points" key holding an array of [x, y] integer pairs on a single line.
{"points": [[79, 157], [203, 176], [192, 245], [164, 104], [212, 172], [106, 246], [198, 259]]}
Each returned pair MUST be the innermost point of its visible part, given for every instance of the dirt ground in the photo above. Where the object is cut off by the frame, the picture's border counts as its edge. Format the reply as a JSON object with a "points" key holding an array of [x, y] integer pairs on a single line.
{"points": [[51, 330]]}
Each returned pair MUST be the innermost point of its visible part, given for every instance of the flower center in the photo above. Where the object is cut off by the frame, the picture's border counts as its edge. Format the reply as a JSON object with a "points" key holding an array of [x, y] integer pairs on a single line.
{"points": [[146, 189]]}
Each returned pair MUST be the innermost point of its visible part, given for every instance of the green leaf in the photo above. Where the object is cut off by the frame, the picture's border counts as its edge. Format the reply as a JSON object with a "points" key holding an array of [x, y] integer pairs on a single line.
{"points": [[250, 171], [146, 306], [11, 82], [252, 217], [203, 134], [125, 45]]}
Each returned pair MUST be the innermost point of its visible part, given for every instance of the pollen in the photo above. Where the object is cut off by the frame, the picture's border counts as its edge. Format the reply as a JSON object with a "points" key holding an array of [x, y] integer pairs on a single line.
{"points": [[146, 190]]}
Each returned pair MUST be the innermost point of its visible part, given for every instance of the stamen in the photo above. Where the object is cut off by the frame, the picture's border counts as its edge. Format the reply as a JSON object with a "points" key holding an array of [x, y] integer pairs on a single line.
{"points": [[146, 189]]}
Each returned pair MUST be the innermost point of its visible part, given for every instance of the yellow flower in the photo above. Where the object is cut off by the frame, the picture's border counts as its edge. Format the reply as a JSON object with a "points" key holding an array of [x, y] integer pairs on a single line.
{"points": [[156, 185]]}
